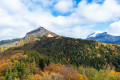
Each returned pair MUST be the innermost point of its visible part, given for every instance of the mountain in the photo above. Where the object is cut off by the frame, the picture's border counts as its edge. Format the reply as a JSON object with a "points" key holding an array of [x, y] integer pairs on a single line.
{"points": [[73, 51], [40, 32], [31, 36], [42, 53], [104, 37]]}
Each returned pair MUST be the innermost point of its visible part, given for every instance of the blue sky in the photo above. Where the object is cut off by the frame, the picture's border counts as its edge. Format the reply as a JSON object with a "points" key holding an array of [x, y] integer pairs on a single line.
{"points": [[71, 18]]}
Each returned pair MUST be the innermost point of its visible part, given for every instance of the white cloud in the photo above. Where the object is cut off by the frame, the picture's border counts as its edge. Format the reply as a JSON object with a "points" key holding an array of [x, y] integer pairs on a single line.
{"points": [[114, 28], [64, 6], [12, 5], [76, 32], [108, 11]]}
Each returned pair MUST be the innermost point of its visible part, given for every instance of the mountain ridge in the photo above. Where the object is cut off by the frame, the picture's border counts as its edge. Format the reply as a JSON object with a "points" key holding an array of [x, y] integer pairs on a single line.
{"points": [[31, 36], [104, 37], [31, 55], [41, 30]]}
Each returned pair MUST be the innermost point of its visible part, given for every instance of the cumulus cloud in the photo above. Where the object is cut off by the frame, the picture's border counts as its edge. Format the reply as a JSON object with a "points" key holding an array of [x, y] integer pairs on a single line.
{"points": [[76, 32], [12, 6], [64, 6], [99, 12], [114, 28]]}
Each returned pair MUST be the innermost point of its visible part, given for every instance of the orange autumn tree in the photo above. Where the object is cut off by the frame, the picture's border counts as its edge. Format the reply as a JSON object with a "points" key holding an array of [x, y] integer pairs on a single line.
{"points": [[69, 73]]}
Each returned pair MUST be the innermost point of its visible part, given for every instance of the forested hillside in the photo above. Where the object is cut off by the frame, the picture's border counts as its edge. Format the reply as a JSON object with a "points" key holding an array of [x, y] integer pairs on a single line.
{"points": [[31, 36], [79, 52], [38, 57]]}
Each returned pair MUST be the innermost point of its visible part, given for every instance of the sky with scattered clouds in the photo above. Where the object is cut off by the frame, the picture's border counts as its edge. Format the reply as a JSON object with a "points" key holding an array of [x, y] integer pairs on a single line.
{"points": [[71, 18]]}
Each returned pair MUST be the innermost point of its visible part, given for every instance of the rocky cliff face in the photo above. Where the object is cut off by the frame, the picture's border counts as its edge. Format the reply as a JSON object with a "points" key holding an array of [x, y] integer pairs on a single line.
{"points": [[41, 32]]}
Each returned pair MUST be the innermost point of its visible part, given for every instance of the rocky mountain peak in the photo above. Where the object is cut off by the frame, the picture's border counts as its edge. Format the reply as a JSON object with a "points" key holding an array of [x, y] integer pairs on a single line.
{"points": [[104, 37], [40, 32]]}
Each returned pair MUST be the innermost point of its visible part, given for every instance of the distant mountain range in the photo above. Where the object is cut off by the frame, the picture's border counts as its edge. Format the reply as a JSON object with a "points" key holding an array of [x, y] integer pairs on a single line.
{"points": [[40, 32], [104, 37]]}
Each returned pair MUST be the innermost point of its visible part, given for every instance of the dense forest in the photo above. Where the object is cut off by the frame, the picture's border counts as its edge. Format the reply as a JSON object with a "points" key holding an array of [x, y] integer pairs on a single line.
{"points": [[61, 58], [78, 52]]}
